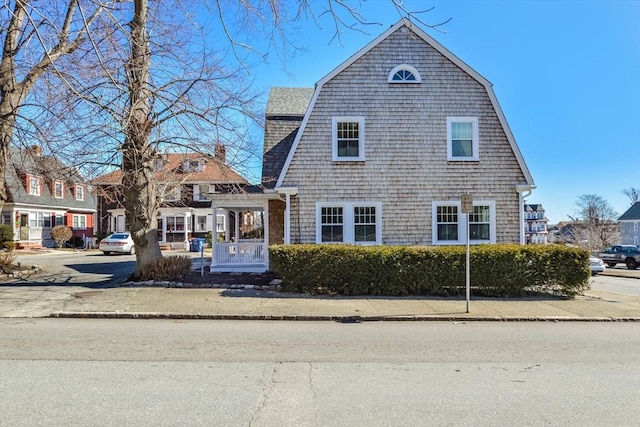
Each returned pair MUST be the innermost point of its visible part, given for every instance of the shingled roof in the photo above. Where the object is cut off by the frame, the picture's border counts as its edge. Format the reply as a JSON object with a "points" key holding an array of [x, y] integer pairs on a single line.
{"points": [[32, 162], [632, 214], [214, 171], [285, 110]]}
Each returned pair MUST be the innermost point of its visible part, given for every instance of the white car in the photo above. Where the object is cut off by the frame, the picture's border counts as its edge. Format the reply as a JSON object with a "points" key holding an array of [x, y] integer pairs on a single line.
{"points": [[596, 265], [118, 242]]}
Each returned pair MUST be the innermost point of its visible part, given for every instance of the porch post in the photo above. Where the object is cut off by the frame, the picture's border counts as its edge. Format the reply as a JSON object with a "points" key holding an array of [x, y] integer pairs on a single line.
{"points": [[287, 220], [187, 217], [214, 234], [265, 228]]}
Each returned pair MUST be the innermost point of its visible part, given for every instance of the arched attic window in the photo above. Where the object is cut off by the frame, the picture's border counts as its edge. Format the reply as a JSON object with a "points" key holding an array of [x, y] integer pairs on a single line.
{"points": [[404, 74]]}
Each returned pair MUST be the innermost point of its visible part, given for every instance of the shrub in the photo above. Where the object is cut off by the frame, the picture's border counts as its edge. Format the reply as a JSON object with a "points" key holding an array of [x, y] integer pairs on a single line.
{"points": [[6, 233], [10, 246], [7, 259], [496, 270], [167, 268], [61, 234]]}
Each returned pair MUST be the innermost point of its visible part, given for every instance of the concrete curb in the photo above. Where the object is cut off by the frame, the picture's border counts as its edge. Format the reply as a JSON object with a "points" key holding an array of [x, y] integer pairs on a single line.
{"points": [[334, 318]]}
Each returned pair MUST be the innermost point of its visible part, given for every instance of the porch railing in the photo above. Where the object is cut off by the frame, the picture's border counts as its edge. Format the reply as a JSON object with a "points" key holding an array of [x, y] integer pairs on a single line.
{"points": [[242, 252]]}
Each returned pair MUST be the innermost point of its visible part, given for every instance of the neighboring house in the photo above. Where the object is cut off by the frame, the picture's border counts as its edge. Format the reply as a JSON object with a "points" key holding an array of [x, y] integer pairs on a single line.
{"points": [[43, 193], [630, 225], [185, 211], [535, 227], [380, 152]]}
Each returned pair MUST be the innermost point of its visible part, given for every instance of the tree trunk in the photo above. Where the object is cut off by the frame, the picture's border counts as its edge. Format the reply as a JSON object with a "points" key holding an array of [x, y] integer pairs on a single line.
{"points": [[139, 187]]}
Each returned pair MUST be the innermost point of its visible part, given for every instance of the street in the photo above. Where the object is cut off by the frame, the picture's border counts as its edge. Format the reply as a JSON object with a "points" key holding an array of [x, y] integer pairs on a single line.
{"points": [[83, 268], [250, 373]]}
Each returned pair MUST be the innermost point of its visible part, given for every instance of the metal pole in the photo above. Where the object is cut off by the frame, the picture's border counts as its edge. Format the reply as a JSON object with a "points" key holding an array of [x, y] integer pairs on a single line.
{"points": [[468, 278], [202, 260]]}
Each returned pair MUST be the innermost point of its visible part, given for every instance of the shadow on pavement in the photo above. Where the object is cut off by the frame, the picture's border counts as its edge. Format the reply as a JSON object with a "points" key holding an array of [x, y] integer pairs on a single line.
{"points": [[84, 277]]}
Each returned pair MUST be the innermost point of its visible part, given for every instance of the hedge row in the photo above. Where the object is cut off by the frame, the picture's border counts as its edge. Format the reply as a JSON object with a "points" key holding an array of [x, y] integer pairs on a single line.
{"points": [[496, 270]]}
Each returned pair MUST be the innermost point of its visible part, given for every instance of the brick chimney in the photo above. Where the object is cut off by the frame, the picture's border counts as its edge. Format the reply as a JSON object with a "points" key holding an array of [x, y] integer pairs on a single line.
{"points": [[220, 152]]}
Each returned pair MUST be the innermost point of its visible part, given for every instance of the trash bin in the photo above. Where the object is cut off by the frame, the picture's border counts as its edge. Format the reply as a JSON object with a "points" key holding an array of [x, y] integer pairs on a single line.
{"points": [[199, 244], [196, 244]]}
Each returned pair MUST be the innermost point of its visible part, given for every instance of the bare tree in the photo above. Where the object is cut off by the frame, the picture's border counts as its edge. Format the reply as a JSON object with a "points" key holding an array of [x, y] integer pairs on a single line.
{"points": [[34, 38], [595, 224], [633, 194], [151, 82]]}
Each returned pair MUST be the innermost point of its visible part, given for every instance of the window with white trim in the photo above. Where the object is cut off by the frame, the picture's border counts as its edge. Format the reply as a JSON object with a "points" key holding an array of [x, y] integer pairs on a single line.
{"points": [[220, 223], [79, 192], [449, 225], [358, 223], [462, 138], [332, 224], [58, 188], [199, 191], [635, 226], [348, 138], [79, 221], [404, 74], [34, 186], [36, 219], [201, 223]]}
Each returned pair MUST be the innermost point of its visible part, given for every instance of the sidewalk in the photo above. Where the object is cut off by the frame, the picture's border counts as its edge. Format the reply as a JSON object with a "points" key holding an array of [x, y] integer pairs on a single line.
{"points": [[211, 303], [236, 301]]}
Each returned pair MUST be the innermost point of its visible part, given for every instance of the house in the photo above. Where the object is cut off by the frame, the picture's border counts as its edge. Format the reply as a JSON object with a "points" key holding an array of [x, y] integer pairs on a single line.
{"points": [[629, 223], [535, 228], [380, 152], [43, 193], [184, 180]]}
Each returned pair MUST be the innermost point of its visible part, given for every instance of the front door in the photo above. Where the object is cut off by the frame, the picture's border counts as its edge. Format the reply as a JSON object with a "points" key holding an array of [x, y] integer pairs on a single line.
{"points": [[24, 226]]}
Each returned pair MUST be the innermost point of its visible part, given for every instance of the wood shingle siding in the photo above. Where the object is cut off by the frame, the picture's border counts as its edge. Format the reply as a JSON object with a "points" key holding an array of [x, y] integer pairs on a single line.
{"points": [[405, 166]]}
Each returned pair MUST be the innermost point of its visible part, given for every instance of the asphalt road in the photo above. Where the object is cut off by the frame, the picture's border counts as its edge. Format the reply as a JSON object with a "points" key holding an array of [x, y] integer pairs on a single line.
{"points": [[87, 268], [241, 373], [616, 285]]}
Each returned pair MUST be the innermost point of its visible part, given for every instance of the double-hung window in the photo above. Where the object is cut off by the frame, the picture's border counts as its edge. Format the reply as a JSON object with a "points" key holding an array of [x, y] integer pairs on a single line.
{"points": [[348, 138], [462, 139], [58, 188], [354, 222], [80, 221], [34, 186], [332, 224], [449, 224], [79, 192]]}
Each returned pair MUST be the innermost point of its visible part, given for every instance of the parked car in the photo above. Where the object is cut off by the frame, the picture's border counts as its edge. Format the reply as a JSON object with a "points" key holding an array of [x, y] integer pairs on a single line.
{"points": [[627, 254], [118, 242], [596, 265]]}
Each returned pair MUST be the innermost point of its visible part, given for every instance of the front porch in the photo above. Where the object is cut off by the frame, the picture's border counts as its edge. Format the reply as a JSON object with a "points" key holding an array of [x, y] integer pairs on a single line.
{"points": [[243, 246]]}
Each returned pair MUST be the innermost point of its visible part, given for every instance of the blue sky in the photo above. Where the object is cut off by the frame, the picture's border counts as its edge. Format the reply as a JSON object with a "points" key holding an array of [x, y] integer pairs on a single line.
{"points": [[566, 73]]}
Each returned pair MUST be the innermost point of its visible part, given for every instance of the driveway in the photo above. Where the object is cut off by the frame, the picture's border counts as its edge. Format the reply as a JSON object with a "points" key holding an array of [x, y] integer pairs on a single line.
{"points": [[79, 268]]}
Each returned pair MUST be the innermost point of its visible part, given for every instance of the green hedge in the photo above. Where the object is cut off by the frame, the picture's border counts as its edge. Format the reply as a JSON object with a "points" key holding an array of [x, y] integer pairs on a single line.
{"points": [[496, 270]]}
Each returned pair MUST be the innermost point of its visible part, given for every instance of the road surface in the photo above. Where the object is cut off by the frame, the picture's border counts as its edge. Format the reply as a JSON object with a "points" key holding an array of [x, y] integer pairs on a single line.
{"points": [[75, 372]]}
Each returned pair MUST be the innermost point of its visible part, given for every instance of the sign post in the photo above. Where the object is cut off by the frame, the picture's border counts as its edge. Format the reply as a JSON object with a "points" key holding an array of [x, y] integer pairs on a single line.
{"points": [[467, 208]]}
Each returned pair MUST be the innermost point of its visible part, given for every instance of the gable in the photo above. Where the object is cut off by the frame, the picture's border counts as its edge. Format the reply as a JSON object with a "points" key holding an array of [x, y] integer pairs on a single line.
{"points": [[632, 214], [360, 87]]}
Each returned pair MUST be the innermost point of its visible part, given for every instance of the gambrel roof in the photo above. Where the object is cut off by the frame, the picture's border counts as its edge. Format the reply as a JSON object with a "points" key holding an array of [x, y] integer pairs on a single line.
{"points": [[420, 34]]}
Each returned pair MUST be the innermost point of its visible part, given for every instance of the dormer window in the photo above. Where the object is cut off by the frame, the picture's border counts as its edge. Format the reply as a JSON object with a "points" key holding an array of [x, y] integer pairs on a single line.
{"points": [[404, 74], [58, 189], [79, 192], [193, 165], [34, 185]]}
